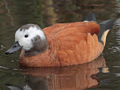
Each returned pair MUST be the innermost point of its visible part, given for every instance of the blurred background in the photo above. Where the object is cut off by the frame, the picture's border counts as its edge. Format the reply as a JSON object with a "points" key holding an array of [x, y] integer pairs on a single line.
{"points": [[102, 74]]}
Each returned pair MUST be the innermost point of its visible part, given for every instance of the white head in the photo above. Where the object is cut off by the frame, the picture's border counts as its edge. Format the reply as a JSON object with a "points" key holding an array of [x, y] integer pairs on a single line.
{"points": [[30, 38], [25, 34]]}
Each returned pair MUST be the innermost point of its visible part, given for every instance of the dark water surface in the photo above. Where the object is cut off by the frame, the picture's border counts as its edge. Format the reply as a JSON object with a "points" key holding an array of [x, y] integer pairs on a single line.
{"points": [[101, 74]]}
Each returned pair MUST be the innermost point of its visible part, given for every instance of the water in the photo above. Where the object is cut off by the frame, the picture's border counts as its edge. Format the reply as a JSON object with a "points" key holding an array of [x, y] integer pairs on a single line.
{"points": [[101, 74]]}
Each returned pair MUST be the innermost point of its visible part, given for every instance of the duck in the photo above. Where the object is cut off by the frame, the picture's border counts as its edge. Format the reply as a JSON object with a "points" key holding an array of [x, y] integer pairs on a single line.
{"points": [[62, 44]]}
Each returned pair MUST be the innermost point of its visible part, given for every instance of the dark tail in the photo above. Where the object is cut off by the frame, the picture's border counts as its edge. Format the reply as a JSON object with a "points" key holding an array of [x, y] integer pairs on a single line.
{"points": [[104, 29], [90, 17]]}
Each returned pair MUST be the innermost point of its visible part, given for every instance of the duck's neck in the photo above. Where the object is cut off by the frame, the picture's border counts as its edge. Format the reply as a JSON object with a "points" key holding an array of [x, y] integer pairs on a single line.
{"points": [[33, 53], [40, 46]]}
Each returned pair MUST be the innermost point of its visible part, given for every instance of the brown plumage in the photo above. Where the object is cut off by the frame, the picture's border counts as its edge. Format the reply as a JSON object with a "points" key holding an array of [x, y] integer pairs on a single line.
{"points": [[69, 44]]}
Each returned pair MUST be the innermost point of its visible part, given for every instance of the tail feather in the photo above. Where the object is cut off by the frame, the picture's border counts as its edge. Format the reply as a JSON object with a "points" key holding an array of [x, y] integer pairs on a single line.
{"points": [[104, 29], [90, 17]]}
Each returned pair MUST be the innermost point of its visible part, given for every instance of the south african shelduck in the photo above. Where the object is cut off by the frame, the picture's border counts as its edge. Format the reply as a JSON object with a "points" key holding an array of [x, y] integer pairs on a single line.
{"points": [[61, 44]]}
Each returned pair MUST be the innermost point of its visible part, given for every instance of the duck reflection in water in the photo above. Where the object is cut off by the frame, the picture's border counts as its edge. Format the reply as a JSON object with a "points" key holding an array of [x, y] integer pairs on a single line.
{"points": [[62, 78]]}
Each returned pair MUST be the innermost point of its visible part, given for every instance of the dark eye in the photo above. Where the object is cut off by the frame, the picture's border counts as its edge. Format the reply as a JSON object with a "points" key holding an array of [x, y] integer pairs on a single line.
{"points": [[26, 36]]}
